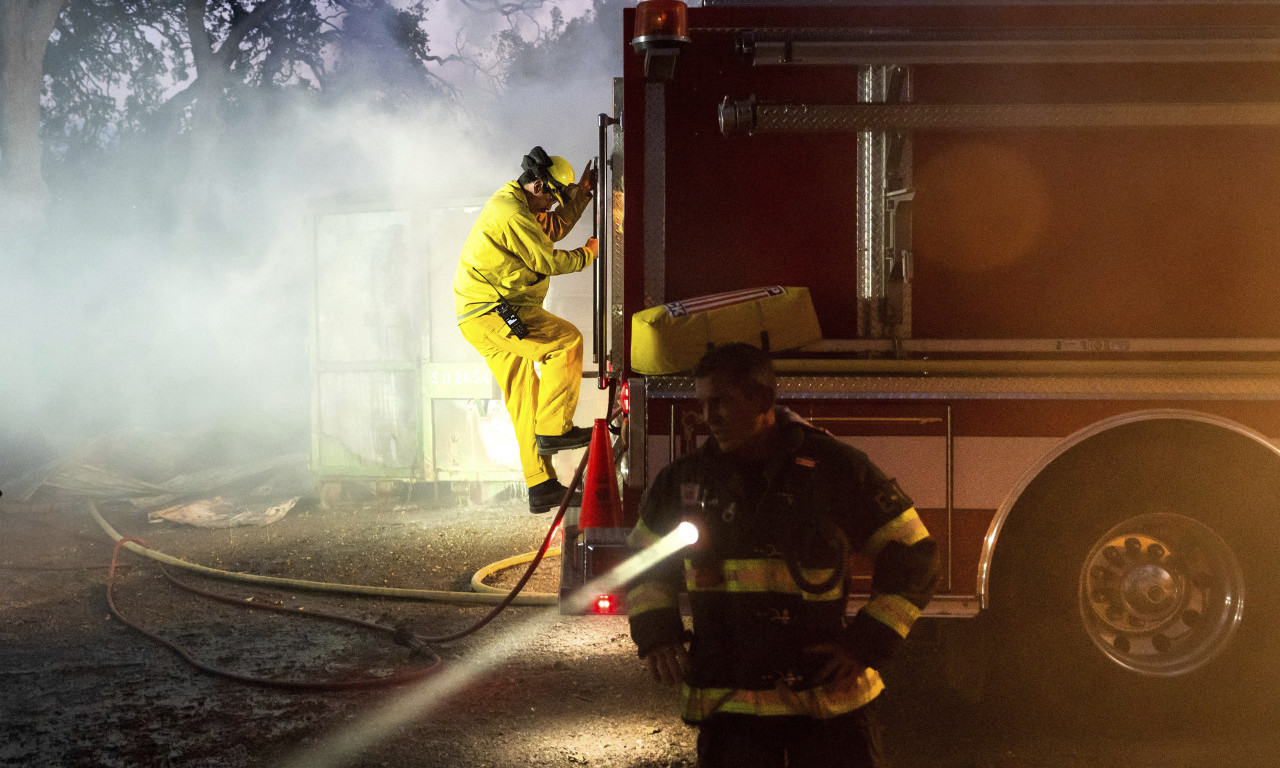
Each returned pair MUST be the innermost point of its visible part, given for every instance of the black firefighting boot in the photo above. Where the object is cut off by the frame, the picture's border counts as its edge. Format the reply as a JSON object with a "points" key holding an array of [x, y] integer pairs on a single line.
{"points": [[576, 437], [547, 495]]}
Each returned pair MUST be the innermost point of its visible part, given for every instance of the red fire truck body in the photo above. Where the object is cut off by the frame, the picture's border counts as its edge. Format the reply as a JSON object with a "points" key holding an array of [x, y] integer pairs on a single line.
{"points": [[1043, 245]]}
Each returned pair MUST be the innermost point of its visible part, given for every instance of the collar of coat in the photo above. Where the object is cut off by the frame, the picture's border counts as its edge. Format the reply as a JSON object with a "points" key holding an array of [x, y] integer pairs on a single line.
{"points": [[789, 436]]}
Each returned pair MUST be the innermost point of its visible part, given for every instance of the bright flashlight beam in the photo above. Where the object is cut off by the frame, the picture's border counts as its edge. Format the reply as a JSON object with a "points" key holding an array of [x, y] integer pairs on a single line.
{"points": [[348, 743], [581, 599]]}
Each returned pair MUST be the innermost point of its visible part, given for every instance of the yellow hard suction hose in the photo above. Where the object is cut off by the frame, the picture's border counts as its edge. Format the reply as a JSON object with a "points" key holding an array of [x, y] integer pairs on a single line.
{"points": [[483, 593]]}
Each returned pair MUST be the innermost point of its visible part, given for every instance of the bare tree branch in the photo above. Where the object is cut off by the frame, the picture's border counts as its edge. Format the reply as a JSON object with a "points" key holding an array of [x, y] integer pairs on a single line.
{"points": [[243, 26], [503, 8]]}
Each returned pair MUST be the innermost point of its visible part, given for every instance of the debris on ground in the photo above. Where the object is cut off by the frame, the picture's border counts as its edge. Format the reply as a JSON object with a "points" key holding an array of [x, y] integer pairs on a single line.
{"points": [[221, 513]]}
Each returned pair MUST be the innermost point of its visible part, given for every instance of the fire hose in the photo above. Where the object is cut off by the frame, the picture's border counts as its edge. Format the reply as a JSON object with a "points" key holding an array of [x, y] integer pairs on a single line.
{"points": [[403, 636], [486, 597]]}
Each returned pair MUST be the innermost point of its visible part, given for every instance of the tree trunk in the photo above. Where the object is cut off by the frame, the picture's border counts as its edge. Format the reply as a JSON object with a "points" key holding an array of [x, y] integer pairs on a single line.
{"points": [[25, 27], [210, 69], [206, 175]]}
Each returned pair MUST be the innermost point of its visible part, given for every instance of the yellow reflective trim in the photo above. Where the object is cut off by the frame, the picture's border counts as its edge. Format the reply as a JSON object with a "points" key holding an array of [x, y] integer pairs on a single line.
{"points": [[894, 611], [905, 528], [641, 536], [819, 703], [764, 575], [650, 596]]}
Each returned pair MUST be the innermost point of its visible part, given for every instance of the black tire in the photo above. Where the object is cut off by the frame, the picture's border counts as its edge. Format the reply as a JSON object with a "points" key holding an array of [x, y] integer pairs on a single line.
{"points": [[1133, 584]]}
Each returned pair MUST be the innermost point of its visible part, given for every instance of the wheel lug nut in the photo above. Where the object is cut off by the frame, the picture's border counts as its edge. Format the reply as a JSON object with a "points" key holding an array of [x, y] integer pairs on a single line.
{"points": [[1113, 555], [1121, 644], [1155, 552], [1132, 546], [1162, 643]]}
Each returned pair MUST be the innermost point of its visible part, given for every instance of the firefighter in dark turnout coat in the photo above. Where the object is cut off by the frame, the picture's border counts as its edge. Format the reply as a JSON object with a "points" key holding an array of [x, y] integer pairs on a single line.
{"points": [[776, 674]]}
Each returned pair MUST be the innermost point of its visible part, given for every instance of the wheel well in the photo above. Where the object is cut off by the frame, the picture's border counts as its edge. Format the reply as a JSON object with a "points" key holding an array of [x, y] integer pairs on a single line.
{"points": [[1195, 453]]}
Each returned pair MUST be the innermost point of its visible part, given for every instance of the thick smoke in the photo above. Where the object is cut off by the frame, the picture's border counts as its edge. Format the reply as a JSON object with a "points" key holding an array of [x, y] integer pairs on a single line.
{"points": [[148, 303]]}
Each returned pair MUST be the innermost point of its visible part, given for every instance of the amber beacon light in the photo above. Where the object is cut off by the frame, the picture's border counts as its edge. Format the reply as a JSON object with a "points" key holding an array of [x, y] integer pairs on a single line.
{"points": [[661, 31]]}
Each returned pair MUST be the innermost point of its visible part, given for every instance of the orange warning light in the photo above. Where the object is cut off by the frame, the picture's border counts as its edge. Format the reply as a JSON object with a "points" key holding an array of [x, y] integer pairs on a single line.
{"points": [[660, 24]]}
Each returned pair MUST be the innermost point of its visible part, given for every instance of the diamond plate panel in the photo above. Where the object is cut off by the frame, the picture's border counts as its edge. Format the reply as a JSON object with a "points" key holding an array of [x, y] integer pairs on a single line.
{"points": [[1250, 387], [852, 118]]}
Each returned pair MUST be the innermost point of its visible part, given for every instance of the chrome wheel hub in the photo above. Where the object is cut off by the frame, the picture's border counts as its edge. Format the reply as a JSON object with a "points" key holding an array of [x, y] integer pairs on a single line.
{"points": [[1161, 594]]}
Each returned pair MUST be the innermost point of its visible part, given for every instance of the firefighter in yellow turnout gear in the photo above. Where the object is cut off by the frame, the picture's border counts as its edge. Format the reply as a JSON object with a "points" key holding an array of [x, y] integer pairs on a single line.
{"points": [[775, 673], [502, 279]]}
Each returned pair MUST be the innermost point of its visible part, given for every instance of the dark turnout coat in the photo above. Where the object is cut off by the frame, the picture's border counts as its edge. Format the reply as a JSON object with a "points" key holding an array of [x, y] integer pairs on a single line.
{"points": [[769, 576]]}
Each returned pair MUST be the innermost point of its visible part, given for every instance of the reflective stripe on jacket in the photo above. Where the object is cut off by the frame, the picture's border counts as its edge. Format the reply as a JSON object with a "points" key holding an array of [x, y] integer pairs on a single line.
{"points": [[818, 703], [510, 252]]}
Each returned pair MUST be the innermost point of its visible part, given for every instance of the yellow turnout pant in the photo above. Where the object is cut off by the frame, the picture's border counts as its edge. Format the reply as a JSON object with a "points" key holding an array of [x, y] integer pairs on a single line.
{"points": [[539, 404]]}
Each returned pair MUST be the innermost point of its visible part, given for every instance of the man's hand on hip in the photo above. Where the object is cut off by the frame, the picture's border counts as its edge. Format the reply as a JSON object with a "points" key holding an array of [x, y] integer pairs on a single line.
{"points": [[841, 669], [668, 663]]}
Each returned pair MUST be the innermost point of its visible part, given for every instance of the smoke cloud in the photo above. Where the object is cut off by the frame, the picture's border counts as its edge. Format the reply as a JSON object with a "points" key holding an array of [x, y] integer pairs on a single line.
{"points": [[145, 303]]}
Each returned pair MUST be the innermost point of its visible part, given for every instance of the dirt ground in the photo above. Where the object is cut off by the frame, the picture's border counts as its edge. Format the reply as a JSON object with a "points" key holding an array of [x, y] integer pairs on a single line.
{"points": [[532, 688]]}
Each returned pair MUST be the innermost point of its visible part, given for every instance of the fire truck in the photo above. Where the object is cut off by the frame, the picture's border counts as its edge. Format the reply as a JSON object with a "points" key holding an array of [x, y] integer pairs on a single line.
{"points": [[1042, 243]]}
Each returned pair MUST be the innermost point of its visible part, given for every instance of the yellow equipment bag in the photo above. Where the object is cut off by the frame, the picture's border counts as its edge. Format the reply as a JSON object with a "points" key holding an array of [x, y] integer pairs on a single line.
{"points": [[673, 337]]}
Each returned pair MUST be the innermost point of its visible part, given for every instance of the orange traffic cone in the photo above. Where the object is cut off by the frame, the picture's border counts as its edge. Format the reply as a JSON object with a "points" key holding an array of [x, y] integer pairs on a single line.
{"points": [[601, 505]]}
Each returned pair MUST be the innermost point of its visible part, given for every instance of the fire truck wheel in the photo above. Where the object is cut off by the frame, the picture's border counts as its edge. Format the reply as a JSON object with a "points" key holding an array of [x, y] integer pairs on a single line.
{"points": [[1134, 582], [1161, 594]]}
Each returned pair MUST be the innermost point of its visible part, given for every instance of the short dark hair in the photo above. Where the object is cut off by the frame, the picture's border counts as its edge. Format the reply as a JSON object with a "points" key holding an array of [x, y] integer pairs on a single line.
{"points": [[742, 365]]}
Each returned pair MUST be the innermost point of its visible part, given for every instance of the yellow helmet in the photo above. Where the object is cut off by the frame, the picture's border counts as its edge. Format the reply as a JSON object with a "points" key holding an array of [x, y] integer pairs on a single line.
{"points": [[560, 173], [559, 177], [552, 170]]}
